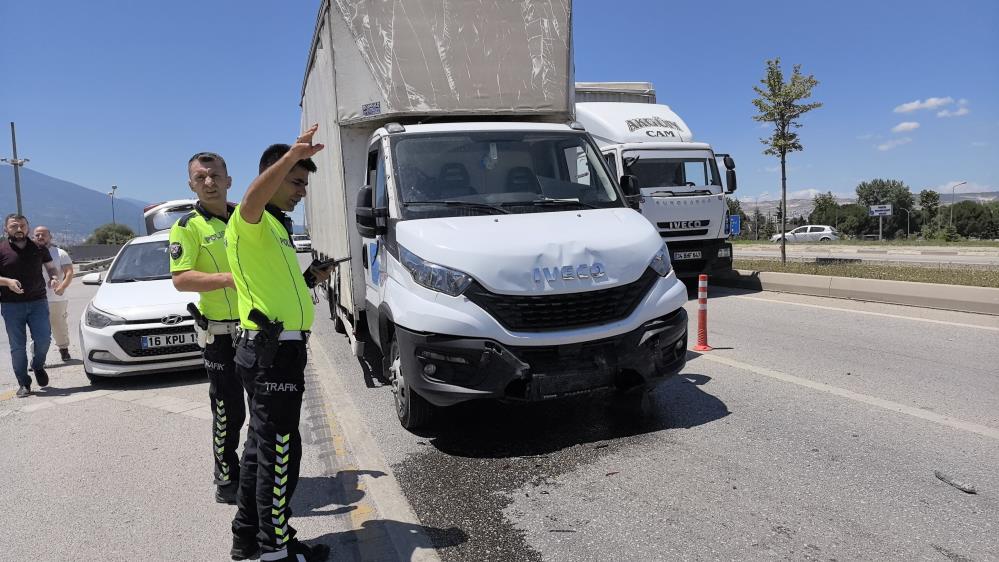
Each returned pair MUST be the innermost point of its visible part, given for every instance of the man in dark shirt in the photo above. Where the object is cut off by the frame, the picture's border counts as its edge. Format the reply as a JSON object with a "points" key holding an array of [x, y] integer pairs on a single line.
{"points": [[23, 301]]}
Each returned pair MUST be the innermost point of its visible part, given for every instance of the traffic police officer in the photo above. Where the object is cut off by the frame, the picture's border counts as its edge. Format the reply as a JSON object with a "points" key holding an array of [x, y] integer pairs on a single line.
{"points": [[198, 264], [275, 313]]}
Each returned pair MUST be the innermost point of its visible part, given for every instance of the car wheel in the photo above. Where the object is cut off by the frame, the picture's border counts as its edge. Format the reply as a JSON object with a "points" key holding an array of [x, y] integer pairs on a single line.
{"points": [[825, 239], [412, 409], [94, 379]]}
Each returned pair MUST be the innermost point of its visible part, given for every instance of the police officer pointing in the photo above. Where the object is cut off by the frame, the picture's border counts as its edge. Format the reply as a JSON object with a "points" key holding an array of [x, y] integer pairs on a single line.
{"points": [[276, 313], [198, 263]]}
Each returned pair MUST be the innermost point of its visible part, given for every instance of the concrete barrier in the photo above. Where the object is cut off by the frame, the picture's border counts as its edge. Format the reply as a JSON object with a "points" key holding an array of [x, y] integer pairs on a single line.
{"points": [[981, 300]]}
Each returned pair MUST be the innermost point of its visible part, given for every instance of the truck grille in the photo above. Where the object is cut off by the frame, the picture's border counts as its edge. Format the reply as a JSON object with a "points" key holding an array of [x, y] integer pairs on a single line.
{"points": [[558, 312], [130, 342]]}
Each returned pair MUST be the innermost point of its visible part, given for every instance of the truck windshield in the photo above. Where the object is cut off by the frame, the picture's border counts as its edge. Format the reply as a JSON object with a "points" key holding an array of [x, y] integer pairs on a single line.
{"points": [[493, 172], [694, 174]]}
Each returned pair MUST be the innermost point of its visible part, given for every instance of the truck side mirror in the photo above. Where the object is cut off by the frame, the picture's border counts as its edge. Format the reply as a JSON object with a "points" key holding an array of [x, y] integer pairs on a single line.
{"points": [[367, 215], [629, 185], [730, 173]]}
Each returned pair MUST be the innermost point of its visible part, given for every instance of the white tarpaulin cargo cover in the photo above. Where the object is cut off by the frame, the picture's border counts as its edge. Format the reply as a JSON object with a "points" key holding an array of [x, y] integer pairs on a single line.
{"points": [[455, 57]]}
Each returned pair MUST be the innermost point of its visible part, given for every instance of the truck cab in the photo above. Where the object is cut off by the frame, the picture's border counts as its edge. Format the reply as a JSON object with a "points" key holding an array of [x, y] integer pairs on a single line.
{"points": [[501, 260], [676, 180]]}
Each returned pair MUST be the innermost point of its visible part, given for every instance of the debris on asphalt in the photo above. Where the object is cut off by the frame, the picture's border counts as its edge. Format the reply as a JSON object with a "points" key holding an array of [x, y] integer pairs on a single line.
{"points": [[600, 446], [966, 488], [561, 530], [613, 473]]}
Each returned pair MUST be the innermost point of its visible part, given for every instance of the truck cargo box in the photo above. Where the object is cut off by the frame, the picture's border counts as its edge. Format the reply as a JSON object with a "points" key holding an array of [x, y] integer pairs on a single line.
{"points": [[450, 59]]}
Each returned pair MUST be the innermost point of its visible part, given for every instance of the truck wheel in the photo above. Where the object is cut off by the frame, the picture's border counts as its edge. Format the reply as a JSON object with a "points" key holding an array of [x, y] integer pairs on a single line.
{"points": [[411, 408]]}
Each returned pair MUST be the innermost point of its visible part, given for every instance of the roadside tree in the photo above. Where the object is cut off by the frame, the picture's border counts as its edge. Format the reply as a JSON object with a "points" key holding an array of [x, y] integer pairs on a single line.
{"points": [[110, 234], [779, 104], [887, 192]]}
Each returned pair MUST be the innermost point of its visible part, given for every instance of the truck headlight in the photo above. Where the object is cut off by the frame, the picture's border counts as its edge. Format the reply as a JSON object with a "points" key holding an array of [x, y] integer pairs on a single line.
{"points": [[660, 262], [724, 252], [433, 276], [97, 318]]}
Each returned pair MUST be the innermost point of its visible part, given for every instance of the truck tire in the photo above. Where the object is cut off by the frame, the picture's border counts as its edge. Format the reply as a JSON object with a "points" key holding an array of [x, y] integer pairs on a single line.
{"points": [[412, 409]]}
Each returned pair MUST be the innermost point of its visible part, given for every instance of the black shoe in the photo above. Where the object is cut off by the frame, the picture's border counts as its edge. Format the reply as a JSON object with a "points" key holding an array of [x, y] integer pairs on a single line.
{"points": [[24, 392], [42, 377], [226, 494], [64, 353], [244, 549], [314, 553]]}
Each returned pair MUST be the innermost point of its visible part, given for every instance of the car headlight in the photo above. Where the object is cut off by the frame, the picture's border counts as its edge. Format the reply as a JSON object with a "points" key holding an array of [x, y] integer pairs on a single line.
{"points": [[660, 262], [433, 276], [97, 318]]}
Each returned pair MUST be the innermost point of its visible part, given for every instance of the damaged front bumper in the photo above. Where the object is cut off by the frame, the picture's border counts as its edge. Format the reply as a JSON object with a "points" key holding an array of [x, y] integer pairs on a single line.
{"points": [[446, 370]]}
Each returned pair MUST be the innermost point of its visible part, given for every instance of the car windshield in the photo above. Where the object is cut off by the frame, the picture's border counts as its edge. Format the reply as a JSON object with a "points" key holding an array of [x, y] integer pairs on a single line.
{"points": [[299, 237], [141, 262], [660, 169], [499, 172], [163, 219]]}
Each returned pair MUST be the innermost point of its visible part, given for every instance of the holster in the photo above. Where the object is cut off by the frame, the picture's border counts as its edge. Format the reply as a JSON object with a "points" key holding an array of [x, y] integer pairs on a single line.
{"points": [[266, 342], [200, 326]]}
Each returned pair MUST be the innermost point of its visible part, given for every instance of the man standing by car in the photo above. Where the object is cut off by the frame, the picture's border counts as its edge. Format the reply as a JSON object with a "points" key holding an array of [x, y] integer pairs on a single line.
{"points": [[198, 264], [276, 313], [58, 303], [23, 303]]}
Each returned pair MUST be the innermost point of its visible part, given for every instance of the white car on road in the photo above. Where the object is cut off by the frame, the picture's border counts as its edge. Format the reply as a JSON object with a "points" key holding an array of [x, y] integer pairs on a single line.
{"points": [[302, 242], [810, 233], [137, 323]]}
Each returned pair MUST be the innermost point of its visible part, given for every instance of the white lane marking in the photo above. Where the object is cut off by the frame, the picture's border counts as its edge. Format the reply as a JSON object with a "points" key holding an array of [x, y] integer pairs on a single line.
{"points": [[858, 397], [869, 313]]}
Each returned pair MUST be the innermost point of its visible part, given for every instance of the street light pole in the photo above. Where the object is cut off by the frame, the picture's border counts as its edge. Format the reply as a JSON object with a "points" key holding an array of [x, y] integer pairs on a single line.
{"points": [[952, 196], [111, 193], [16, 163], [907, 216]]}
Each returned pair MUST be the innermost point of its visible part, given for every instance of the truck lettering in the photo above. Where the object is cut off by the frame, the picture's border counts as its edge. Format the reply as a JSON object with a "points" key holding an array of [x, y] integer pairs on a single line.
{"points": [[647, 122], [659, 133]]}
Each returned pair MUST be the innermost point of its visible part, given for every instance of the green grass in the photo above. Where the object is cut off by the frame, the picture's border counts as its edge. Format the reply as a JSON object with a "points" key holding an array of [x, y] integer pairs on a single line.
{"points": [[948, 275], [968, 243]]}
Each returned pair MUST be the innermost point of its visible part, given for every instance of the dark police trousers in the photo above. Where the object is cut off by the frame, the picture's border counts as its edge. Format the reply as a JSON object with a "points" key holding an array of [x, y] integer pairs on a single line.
{"points": [[225, 390], [273, 449]]}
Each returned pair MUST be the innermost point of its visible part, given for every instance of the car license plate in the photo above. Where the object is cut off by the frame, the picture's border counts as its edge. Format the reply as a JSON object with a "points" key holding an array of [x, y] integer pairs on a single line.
{"points": [[168, 340], [694, 255]]}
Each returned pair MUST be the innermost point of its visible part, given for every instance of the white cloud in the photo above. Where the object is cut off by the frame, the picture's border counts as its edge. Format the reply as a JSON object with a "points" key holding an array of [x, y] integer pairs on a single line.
{"points": [[905, 126], [948, 113], [930, 103], [894, 143], [962, 101]]}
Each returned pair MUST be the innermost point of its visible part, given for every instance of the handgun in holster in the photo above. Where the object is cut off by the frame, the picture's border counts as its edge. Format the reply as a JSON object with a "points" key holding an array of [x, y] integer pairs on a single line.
{"points": [[265, 343], [200, 326]]}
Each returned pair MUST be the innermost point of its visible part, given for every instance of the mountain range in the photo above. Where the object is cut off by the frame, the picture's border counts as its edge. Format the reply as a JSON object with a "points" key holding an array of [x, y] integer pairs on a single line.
{"points": [[71, 211]]}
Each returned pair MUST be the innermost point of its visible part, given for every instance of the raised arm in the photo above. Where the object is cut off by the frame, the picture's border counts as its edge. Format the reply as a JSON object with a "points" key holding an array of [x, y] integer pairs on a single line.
{"points": [[263, 188]]}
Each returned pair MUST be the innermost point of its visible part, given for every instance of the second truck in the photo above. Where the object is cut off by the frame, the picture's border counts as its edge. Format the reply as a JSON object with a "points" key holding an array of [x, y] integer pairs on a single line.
{"points": [[675, 179]]}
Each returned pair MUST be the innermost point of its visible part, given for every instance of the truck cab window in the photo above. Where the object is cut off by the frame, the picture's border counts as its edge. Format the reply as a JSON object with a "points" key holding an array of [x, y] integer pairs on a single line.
{"points": [[611, 163], [376, 177]]}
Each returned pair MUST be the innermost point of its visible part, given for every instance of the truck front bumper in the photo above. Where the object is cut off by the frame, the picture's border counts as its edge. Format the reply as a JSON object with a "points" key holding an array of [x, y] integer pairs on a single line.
{"points": [[446, 370], [709, 262]]}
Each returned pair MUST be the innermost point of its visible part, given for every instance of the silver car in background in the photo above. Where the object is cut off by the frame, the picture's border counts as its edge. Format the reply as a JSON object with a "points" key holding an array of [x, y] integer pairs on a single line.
{"points": [[810, 233]]}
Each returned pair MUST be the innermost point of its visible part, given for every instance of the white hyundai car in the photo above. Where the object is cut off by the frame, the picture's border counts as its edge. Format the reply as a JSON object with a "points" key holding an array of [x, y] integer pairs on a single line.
{"points": [[137, 322]]}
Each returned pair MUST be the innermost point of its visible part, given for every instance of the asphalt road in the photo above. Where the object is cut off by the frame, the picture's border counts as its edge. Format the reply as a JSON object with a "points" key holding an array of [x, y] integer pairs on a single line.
{"points": [[812, 431]]}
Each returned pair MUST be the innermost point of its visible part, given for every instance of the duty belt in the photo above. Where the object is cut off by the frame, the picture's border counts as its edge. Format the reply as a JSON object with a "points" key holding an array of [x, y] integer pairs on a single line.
{"points": [[216, 328], [286, 335]]}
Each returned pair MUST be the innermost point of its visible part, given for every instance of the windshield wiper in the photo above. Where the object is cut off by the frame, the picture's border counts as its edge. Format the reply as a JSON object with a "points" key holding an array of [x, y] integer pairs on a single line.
{"points": [[550, 201], [467, 204], [667, 193]]}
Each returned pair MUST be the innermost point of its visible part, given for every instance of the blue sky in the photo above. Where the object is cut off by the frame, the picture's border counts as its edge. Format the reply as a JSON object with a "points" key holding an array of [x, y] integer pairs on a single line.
{"points": [[112, 92]]}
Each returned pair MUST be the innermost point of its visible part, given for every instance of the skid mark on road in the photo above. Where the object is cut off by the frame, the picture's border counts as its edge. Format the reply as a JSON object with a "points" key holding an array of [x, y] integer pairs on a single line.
{"points": [[948, 421], [869, 313]]}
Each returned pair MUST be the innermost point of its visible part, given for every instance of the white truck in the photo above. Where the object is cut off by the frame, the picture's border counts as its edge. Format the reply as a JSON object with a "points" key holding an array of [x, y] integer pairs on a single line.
{"points": [[491, 253], [653, 152]]}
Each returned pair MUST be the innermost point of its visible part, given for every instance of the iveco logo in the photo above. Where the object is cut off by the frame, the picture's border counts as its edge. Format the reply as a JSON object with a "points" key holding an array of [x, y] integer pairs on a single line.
{"points": [[568, 273], [683, 225], [172, 319]]}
